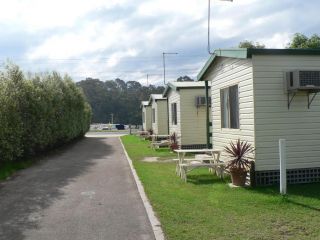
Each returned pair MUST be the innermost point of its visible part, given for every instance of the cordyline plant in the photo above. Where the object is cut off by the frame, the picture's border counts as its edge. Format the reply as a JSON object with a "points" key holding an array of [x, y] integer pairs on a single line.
{"points": [[173, 141], [239, 153], [150, 131]]}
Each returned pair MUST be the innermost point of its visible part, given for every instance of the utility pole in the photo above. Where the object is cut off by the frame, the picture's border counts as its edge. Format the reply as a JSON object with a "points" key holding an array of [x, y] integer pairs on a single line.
{"points": [[147, 80], [164, 64]]}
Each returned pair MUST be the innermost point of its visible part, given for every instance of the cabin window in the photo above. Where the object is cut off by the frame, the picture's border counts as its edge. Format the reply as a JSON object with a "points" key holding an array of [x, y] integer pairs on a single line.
{"points": [[229, 104], [174, 113], [153, 115]]}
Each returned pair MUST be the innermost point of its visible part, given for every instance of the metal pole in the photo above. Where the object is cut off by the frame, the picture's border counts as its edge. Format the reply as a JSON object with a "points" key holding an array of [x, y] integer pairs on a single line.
{"points": [[283, 170], [164, 65], [164, 68], [209, 20], [147, 79]]}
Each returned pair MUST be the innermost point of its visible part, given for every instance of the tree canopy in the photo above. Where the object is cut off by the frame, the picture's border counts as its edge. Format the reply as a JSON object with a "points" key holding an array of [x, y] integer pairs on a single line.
{"points": [[302, 41], [250, 44], [117, 97], [184, 79]]}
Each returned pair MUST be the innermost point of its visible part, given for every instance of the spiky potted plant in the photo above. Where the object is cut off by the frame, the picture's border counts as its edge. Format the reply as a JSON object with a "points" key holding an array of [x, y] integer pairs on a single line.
{"points": [[240, 154], [173, 142], [150, 133]]}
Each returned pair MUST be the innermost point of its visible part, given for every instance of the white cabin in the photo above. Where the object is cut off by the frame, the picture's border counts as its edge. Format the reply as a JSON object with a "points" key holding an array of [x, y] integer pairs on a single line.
{"points": [[187, 113], [146, 116], [251, 101], [159, 114]]}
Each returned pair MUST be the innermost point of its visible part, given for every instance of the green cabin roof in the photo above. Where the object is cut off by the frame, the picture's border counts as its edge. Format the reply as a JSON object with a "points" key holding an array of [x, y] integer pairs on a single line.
{"points": [[249, 52]]}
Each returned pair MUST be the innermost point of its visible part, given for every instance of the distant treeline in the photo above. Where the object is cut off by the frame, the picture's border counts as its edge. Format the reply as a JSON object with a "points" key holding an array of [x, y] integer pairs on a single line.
{"points": [[117, 97], [38, 112]]}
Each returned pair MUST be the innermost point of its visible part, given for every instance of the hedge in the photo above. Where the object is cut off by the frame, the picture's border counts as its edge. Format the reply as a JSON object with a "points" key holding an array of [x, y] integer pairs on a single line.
{"points": [[39, 112]]}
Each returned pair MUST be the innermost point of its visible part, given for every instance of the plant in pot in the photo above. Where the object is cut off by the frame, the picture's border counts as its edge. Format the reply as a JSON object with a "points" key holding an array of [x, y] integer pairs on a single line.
{"points": [[150, 133], [173, 142], [240, 154]]}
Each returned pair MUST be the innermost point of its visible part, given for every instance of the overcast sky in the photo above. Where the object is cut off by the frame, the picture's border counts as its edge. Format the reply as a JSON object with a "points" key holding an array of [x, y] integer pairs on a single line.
{"points": [[107, 39]]}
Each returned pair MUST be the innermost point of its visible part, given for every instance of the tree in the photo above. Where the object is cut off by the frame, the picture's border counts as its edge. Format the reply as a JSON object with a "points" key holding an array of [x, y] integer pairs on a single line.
{"points": [[185, 79], [301, 41], [250, 44], [117, 97]]}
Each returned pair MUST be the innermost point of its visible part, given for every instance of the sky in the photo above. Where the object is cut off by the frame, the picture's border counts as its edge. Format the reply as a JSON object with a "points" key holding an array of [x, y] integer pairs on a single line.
{"points": [[125, 39]]}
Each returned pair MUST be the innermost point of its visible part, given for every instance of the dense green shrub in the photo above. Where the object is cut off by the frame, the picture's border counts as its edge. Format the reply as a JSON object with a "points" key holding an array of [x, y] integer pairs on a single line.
{"points": [[39, 112]]}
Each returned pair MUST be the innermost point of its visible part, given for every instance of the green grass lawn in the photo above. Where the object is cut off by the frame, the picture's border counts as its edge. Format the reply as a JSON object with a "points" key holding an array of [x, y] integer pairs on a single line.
{"points": [[207, 208], [9, 168]]}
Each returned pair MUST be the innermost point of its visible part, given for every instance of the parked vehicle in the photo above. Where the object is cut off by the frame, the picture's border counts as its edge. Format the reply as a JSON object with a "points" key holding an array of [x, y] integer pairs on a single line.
{"points": [[120, 126]]}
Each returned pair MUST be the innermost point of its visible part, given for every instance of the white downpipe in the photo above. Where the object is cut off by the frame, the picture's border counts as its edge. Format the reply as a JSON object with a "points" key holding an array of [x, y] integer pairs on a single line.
{"points": [[283, 168]]}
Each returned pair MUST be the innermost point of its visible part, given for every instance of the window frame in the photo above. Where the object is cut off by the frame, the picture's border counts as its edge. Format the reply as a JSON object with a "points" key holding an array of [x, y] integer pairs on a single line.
{"points": [[230, 107], [153, 115], [174, 114], [144, 117]]}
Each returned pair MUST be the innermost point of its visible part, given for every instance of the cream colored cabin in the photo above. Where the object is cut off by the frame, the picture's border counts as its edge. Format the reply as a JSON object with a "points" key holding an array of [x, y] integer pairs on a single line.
{"points": [[187, 115], [159, 114], [250, 101], [146, 116]]}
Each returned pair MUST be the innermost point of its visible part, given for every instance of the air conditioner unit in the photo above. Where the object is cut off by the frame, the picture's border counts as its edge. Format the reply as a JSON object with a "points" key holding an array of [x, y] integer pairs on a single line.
{"points": [[201, 101], [303, 80]]}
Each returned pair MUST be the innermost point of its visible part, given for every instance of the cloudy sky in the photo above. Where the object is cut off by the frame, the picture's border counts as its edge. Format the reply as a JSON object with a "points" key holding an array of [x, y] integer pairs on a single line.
{"points": [[107, 39]]}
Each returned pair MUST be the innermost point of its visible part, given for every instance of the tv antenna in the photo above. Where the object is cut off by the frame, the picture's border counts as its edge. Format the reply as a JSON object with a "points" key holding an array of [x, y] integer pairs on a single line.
{"points": [[209, 21]]}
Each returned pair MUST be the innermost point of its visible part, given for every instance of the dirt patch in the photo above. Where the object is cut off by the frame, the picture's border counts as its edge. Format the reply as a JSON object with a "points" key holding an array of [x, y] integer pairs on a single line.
{"points": [[157, 160]]}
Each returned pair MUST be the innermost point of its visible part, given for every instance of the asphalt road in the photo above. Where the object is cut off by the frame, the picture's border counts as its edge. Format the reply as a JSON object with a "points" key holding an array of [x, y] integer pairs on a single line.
{"points": [[83, 192]]}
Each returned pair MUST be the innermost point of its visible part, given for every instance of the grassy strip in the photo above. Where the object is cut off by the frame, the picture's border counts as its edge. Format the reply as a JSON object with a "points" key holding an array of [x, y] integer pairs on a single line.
{"points": [[133, 131], [206, 208], [139, 149], [9, 168]]}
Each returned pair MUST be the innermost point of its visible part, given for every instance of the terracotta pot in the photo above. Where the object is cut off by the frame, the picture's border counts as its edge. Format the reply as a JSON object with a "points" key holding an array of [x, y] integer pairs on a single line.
{"points": [[238, 176]]}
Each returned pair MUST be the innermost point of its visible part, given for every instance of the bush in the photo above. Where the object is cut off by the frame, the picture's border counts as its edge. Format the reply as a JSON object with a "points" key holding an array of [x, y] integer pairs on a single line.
{"points": [[39, 112]]}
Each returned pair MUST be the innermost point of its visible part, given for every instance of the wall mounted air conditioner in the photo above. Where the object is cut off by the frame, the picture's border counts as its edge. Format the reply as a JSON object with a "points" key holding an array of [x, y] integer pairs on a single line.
{"points": [[201, 101], [301, 80]]}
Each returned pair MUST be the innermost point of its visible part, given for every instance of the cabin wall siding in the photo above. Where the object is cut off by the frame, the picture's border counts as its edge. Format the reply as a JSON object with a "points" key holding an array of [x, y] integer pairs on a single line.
{"points": [[154, 123], [193, 119], [225, 73], [162, 117], [174, 97], [299, 125], [147, 124]]}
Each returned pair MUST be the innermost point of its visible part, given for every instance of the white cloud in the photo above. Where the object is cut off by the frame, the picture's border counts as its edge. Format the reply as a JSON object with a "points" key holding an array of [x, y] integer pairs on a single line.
{"points": [[277, 40], [190, 8], [125, 33], [93, 37], [117, 56], [35, 15]]}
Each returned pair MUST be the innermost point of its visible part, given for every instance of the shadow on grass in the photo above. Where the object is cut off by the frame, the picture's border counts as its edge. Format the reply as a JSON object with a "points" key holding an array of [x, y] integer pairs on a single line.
{"points": [[203, 179], [310, 190], [303, 205], [295, 191], [165, 150]]}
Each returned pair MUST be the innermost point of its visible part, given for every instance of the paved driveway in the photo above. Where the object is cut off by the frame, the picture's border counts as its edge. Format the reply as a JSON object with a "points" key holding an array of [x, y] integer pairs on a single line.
{"points": [[85, 192]]}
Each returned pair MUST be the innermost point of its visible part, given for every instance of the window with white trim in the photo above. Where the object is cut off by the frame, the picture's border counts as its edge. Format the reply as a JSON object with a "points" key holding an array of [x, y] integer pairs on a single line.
{"points": [[153, 115], [174, 113], [229, 103]]}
